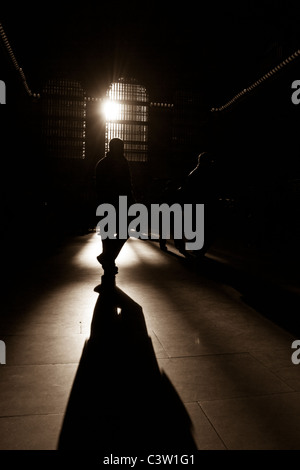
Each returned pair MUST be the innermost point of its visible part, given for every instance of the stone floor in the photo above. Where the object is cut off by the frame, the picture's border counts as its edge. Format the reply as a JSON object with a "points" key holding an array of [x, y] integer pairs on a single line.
{"points": [[188, 354]]}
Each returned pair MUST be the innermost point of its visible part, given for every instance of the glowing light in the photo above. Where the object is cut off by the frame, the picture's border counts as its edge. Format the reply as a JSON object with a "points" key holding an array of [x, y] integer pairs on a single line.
{"points": [[111, 110]]}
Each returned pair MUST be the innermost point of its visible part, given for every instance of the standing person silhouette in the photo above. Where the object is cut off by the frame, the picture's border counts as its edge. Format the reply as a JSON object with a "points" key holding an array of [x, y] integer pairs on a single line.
{"points": [[113, 179], [202, 186]]}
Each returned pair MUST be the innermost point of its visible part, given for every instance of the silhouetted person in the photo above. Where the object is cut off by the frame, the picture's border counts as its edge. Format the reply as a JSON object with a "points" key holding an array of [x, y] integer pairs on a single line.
{"points": [[200, 183], [202, 187], [169, 195], [113, 179]]}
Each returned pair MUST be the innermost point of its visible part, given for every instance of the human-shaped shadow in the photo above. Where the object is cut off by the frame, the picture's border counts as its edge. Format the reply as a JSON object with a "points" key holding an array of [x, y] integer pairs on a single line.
{"points": [[120, 399]]}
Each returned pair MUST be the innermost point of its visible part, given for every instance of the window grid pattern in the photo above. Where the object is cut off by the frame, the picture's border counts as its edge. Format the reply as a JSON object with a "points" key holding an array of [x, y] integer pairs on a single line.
{"points": [[120, 91], [64, 123], [130, 122]]}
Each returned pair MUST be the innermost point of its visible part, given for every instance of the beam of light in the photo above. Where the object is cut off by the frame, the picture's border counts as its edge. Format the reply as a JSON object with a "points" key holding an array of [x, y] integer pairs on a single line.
{"points": [[87, 255], [110, 110]]}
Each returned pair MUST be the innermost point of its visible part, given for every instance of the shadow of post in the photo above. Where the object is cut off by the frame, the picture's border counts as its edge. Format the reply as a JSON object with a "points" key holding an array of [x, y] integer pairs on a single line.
{"points": [[120, 399]]}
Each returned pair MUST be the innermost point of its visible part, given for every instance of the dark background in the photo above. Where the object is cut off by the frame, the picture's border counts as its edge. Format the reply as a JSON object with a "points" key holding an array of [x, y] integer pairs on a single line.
{"points": [[215, 48], [218, 45]]}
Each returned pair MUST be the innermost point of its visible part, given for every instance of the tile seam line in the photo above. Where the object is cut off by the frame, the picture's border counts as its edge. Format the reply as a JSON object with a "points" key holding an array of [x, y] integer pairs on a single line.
{"points": [[239, 397], [31, 414], [213, 427]]}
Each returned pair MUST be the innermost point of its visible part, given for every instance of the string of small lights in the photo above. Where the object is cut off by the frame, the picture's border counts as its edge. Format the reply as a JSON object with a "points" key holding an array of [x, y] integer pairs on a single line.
{"points": [[162, 105], [15, 62], [258, 82]]}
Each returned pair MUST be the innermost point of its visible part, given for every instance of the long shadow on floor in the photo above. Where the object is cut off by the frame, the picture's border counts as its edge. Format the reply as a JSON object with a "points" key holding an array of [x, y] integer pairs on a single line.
{"points": [[120, 399]]}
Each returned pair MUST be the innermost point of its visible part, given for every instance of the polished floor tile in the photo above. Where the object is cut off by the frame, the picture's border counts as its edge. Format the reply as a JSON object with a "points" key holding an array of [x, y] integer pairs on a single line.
{"points": [[32, 432], [229, 364], [269, 422], [35, 389], [43, 349], [205, 435], [221, 376]]}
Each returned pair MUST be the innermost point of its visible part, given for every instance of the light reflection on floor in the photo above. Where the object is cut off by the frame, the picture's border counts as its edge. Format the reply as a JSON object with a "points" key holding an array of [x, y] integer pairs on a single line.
{"points": [[215, 348], [131, 254]]}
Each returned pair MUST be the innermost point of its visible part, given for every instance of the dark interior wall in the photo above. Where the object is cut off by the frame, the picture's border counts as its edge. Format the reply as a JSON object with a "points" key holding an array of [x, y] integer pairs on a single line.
{"points": [[257, 149]]}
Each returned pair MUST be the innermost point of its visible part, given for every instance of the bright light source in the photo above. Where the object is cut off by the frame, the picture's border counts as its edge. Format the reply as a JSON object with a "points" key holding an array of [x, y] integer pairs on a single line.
{"points": [[111, 110]]}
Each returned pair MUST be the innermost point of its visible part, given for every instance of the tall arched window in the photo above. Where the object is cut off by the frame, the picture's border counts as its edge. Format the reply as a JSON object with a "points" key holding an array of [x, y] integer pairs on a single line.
{"points": [[126, 111], [64, 123]]}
